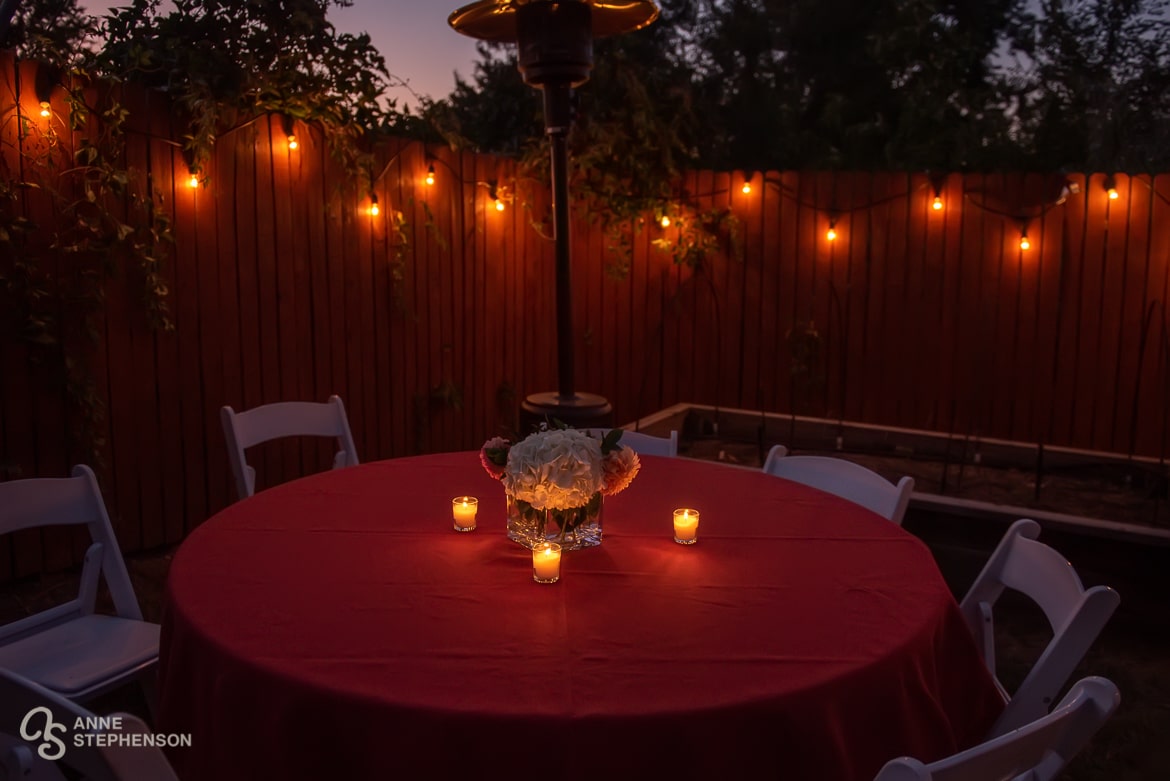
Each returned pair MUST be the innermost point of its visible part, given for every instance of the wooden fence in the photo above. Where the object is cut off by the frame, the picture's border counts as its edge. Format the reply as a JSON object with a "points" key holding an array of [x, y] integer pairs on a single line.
{"points": [[284, 286]]}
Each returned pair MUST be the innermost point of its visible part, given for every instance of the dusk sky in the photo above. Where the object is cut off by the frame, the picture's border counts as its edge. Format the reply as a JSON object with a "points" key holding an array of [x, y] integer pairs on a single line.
{"points": [[413, 35]]}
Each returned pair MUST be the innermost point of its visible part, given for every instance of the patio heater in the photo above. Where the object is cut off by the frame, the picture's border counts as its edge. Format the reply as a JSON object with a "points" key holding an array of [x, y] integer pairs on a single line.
{"points": [[555, 40]]}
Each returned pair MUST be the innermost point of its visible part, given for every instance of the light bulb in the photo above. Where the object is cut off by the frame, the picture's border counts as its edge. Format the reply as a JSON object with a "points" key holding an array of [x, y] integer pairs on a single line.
{"points": [[665, 221], [292, 141], [831, 234], [374, 210], [1024, 243], [46, 112], [193, 181], [499, 205], [430, 176], [747, 188], [937, 203], [1113, 193]]}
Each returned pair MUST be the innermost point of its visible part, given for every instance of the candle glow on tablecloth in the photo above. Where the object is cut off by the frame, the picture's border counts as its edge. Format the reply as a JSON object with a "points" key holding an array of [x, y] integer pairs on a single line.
{"points": [[686, 526], [546, 562], [463, 509]]}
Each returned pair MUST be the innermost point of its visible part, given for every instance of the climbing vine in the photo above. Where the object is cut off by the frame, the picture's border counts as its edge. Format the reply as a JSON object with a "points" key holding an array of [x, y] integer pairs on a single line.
{"points": [[104, 219], [106, 222]]}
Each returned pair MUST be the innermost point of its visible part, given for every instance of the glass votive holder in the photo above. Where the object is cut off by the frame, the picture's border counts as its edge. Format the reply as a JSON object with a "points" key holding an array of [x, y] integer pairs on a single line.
{"points": [[686, 526], [546, 562], [463, 509]]}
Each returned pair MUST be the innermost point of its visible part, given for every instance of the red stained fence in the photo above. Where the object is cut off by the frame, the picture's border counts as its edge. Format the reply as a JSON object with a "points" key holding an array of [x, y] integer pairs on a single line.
{"points": [[283, 286]]}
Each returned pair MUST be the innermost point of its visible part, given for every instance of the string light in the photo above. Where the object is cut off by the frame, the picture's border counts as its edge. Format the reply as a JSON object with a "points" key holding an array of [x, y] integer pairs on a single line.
{"points": [[430, 175], [374, 210], [1111, 187], [831, 234], [193, 180], [43, 83], [1024, 243], [286, 124], [664, 222], [499, 205], [937, 203]]}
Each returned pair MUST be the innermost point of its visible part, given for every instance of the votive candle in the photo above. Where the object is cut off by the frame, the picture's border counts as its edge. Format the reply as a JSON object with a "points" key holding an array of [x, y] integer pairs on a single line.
{"points": [[463, 509], [686, 526], [546, 562]]}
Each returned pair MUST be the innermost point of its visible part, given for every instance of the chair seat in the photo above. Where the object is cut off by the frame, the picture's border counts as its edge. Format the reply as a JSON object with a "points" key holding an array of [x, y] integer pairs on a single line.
{"points": [[74, 657]]}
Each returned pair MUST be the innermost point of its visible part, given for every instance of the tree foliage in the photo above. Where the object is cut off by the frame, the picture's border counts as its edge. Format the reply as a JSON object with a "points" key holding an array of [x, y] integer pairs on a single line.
{"points": [[56, 32], [225, 62], [877, 84], [1092, 87]]}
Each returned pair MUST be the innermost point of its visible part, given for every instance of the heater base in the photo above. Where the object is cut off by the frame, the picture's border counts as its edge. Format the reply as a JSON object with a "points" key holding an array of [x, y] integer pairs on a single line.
{"points": [[583, 410]]}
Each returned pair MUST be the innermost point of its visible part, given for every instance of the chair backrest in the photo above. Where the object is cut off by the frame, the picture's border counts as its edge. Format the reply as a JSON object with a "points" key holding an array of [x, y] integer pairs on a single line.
{"points": [[1035, 752], [65, 501], [260, 424], [1076, 617], [37, 729], [643, 444], [845, 479]]}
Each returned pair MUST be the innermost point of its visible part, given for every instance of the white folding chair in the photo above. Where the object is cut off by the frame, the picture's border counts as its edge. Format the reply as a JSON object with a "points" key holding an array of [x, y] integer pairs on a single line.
{"points": [[284, 419], [68, 648], [643, 444], [1035, 752], [1076, 617], [37, 739], [845, 479]]}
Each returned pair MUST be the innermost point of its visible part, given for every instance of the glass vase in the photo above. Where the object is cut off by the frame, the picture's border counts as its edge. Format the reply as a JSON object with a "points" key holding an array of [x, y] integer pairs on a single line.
{"points": [[572, 529]]}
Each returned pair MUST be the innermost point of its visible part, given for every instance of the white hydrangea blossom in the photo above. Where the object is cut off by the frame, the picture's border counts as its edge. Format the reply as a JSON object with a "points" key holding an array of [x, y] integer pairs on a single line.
{"points": [[556, 469]]}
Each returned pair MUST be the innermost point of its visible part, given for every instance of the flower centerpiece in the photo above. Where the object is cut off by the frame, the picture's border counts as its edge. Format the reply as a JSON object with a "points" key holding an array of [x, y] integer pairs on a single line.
{"points": [[554, 480]]}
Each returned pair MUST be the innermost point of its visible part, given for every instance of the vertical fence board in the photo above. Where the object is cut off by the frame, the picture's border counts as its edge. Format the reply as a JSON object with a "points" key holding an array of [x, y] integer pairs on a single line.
{"points": [[284, 242], [1154, 401]]}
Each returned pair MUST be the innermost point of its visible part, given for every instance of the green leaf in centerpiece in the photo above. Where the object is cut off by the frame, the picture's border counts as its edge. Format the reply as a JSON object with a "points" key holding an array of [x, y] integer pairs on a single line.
{"points": [[610, 442]]}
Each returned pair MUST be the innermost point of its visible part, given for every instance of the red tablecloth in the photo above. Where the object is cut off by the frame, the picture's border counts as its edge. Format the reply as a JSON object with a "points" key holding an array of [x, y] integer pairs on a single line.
{"points": [[336, 627]]}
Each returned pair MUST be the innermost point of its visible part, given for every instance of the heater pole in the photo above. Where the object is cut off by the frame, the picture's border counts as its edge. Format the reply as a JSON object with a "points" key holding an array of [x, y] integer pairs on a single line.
{"points": [[553, 95], [554, 39]]}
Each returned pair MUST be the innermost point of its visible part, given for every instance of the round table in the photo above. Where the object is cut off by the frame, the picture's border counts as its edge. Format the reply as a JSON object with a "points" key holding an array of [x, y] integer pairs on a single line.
{"points": [[337, 627]]}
